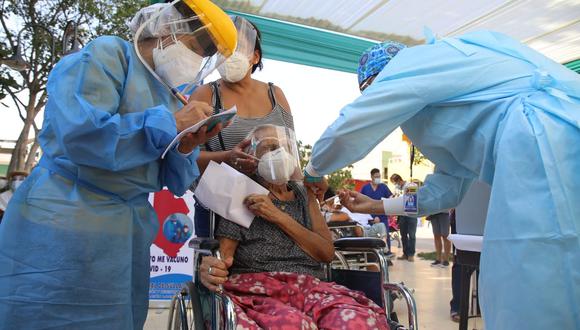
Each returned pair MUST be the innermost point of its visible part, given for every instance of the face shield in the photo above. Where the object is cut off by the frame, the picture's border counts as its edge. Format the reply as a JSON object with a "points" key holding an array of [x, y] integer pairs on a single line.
{"points": [[181, 43], [236, 67], [277, 151], [16, 179]]}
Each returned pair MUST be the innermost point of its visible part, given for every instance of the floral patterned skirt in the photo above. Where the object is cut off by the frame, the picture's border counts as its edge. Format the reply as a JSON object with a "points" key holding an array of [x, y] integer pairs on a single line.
{"points": [[281, 300]]}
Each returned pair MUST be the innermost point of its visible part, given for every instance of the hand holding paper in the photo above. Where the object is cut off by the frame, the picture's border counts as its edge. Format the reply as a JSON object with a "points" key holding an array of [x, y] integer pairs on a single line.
{"points": [[210, 123], [223, 190]]}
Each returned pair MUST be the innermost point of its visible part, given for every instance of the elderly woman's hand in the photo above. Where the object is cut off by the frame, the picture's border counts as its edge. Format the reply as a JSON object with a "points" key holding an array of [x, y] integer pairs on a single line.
{"points": [[240, 160], [262, 206], [214, 272]]}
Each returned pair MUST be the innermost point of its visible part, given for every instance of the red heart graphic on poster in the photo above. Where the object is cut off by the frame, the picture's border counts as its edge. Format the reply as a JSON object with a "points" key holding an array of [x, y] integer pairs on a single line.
{"points": [[166, 204]]}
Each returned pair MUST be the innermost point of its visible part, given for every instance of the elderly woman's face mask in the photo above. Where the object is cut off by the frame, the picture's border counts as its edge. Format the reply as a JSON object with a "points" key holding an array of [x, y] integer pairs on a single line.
{"points": [[276, 164]]}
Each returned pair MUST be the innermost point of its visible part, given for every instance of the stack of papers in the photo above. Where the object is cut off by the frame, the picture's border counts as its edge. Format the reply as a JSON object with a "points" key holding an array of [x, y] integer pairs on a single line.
{"points": [[4, 199], [222, 189]]}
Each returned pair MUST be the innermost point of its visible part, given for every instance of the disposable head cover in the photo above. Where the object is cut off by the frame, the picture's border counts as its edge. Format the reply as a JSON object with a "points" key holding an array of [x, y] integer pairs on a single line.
{"points": [[237, 66], [374, 59], [188, 39], [277, 151]]}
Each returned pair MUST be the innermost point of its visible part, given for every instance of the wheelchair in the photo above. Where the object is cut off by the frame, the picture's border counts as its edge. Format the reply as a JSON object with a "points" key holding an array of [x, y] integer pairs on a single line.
{"points": [[188, 311]]}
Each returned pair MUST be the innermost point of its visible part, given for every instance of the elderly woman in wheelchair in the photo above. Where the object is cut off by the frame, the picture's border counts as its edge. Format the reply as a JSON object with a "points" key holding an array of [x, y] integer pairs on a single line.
{"points": [[272, 270]]}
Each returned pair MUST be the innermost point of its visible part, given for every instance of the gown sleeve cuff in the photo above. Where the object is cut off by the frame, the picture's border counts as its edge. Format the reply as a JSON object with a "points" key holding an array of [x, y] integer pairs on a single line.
{"points": [[161, 126], [310, 175], [394, 206]]}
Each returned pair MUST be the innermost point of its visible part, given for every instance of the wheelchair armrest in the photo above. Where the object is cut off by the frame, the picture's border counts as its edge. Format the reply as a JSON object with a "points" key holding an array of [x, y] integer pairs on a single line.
{"points": [[359, 243], [340, 224], [204, 243]]}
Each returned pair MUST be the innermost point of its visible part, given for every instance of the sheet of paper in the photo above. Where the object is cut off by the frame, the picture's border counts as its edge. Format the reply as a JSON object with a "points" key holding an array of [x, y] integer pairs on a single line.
{"points": [[4, 199], [467, 242], [361, 218], [221, 117], [222, 189]]}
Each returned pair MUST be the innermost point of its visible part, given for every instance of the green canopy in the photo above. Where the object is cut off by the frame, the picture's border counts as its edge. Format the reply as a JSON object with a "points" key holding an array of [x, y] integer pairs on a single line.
{"points": [[301, 44], [574, 65]]}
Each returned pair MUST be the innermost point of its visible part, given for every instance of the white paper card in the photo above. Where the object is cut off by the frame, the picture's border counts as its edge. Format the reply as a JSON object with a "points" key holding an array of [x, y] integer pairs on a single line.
{"points": [[362, 219], [221, 117], [222, 189], [4, 199], [467, 242]]}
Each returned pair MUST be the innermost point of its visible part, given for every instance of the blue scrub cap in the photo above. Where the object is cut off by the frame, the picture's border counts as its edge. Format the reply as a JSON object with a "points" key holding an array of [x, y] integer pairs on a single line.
{"points": [[374, 59]]}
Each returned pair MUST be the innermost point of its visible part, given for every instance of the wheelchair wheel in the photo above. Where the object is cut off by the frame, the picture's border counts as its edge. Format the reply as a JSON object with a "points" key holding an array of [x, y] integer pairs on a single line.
{"points": [[188, 310]]}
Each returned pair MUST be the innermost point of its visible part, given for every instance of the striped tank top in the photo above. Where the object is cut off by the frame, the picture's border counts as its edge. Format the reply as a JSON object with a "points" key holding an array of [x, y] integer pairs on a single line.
{"points": [[240, 127]]}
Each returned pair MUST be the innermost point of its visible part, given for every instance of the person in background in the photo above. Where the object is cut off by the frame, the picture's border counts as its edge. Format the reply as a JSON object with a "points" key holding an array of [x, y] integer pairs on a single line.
{"points": [[258, 103], [376, 189], [440, 226], [407, 224], [330, 210]]}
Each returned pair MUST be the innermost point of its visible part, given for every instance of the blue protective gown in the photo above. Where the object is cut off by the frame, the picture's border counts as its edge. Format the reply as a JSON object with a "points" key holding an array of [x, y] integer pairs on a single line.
{"points": [[74, 242], [483, 106]]}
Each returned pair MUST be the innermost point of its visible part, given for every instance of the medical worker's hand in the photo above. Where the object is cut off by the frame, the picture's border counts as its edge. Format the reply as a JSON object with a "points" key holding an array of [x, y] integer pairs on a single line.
{"points": [[318, 188], [359, 203], [262, 206], [192, 140], [242, 161], [219, 271], [191, 114]]}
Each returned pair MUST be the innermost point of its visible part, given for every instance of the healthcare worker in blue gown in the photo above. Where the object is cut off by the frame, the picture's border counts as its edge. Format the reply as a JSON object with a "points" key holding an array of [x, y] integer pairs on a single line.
{"points": [[74, 242], [482, 106]]}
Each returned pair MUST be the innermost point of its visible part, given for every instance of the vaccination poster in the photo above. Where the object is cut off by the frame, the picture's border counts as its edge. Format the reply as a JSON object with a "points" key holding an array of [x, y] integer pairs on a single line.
{"points": [[171, 257]]}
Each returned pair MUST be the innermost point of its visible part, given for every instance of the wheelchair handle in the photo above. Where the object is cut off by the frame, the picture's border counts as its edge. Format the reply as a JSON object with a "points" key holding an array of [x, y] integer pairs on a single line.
{"points": [[206, 245]]}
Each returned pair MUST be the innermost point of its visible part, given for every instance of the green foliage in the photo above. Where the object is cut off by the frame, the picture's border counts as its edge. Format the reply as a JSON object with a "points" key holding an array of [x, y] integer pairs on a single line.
{"points": [[340, 179], [419, 157], [427, 255], [6, 80]]}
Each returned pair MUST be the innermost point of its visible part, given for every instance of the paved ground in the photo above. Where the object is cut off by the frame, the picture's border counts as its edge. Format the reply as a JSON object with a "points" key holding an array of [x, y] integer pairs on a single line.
{"points": [[432, 291]]}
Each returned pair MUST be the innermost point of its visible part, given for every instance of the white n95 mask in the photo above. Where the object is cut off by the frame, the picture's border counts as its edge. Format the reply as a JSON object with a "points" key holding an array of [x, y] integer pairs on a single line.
{"points": [[234, 68], [176, 64], [277, 166]]}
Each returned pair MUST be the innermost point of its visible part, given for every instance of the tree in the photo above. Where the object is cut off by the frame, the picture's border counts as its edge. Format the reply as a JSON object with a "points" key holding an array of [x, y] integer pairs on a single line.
{"points": [[40, 24], [340, 179]]}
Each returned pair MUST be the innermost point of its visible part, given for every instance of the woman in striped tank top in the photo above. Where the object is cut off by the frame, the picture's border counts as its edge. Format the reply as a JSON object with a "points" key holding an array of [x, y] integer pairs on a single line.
{"points": [[258, 103]]}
